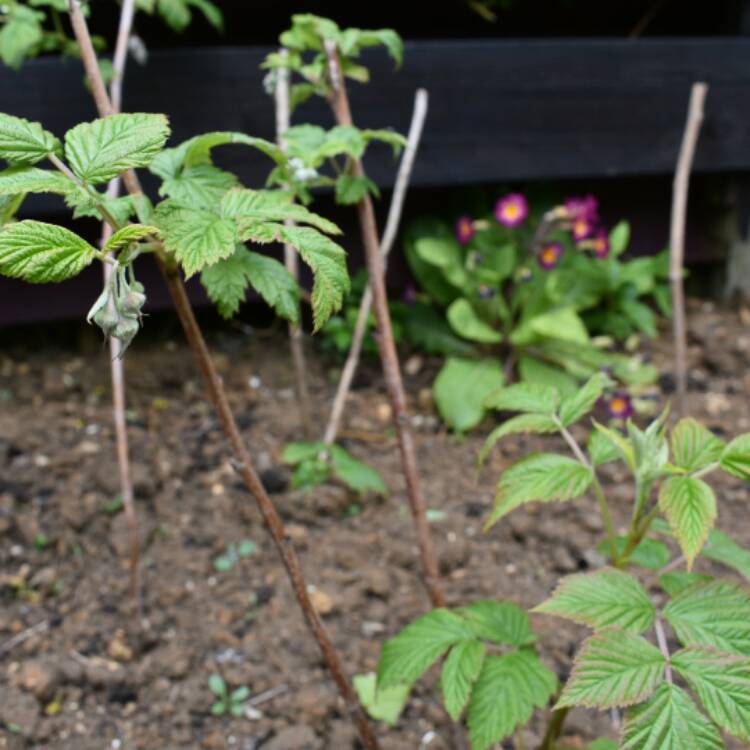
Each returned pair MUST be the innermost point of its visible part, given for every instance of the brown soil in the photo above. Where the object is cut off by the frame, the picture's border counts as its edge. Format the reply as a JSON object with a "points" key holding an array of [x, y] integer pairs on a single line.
{"points": [[85, 677]]}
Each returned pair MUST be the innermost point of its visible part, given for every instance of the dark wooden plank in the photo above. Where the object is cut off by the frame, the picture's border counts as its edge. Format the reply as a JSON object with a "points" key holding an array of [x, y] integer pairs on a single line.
{"points": [[499, 110]]}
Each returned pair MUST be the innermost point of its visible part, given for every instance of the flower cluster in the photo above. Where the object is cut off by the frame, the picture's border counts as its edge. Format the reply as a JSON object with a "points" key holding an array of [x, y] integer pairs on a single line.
{"points": [[581, 217]]}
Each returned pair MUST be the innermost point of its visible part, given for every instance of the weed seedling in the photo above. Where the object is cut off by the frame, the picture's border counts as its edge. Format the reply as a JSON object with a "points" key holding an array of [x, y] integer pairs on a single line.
{"points": [[228, 702]]}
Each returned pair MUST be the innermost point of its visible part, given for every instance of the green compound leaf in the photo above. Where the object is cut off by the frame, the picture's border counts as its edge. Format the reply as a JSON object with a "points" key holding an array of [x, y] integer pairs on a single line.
{"points": [[578, 405], [525, 397], [131, 233], [499, 622], [197, 238], [613, 668], [534, 423], [544, 477], [722, 682], [505, 695], [25, 143], [669, 720], [226, 283], [354, 473], [461, 388], [690, 507], [33, 180], [351, 189], [617, 440], [676, 581], [725, 550], [419, 645], [693, 446], [713, 614], [328, 263], [460, 671], [735, 459], [601, 449], [602, 599], [383, 704], [465, 322], [101, 150], [41, 253], [202, 186]]}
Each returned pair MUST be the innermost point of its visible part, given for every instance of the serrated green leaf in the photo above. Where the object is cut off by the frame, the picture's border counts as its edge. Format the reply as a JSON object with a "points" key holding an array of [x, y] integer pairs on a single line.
{"points": [[33, 180], [84, 204], [395, 140], [724, 549], [461, 387], [41, 253], [23, 143], [604, 598], [650, 553], [505, 695], [20, 35], [693, 446], [690, 507], [713, 614], [354, 473], [735, 459], [328, 263], [210, 11], [525, 397], [465, 322], [226, 283], [198, 239], [613, 668], [574, 407], [460, 671], [722, 682], [419, 645], [351, 189], [176, 13], [500, 622], [669, 720], [271, 205], [601, 449], [9, 205], [131, 233], [202, 186], [676, 581], [534, 423], [544, 477], [101, 150], [383, 704]]}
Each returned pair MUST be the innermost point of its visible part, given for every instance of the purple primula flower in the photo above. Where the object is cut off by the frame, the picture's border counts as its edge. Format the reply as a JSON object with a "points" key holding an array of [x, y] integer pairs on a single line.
{"points": [[582, 228], [512, 210], [620, 406], [409, 295], [549, 255], [600, 244], [586, 207], [465, 230]]}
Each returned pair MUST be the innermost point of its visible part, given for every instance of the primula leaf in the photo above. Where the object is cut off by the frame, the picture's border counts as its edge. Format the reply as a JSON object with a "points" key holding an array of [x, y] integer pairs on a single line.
{"points": [[715, 614], [131, 233], [226, 283], [41, 253], [500, 622], [544, 477], [25, 143], [33, 180], [465, 322], [722, 682], [574, 407], [419, 645], [613, 668], [602, 599], [461, 388], [505, 695], [725, 550], [669, 720], [693, 446], [460, 671], [383, 704], [100, 150], [735, 459], [532, 370], [328, 262], [619, 238], [690, 507], [525, 397], [535, 423]]}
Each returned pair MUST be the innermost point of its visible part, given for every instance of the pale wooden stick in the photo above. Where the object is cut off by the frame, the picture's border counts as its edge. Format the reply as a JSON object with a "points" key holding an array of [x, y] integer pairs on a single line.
{"points": [[386, 245], [677, 236], [119, 62], [290, 261]]}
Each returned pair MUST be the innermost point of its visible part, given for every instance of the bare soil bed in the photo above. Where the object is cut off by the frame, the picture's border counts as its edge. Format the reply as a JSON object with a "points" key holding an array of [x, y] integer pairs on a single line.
{"points": [[76, 673]]}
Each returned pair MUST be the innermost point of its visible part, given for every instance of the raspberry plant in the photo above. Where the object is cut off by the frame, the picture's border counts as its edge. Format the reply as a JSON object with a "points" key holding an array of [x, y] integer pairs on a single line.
{"points": [[678, 693]]}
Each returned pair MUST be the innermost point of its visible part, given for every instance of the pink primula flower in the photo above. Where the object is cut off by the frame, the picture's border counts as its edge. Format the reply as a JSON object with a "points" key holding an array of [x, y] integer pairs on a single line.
{"points": [[512, 210], [465, 229]]}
